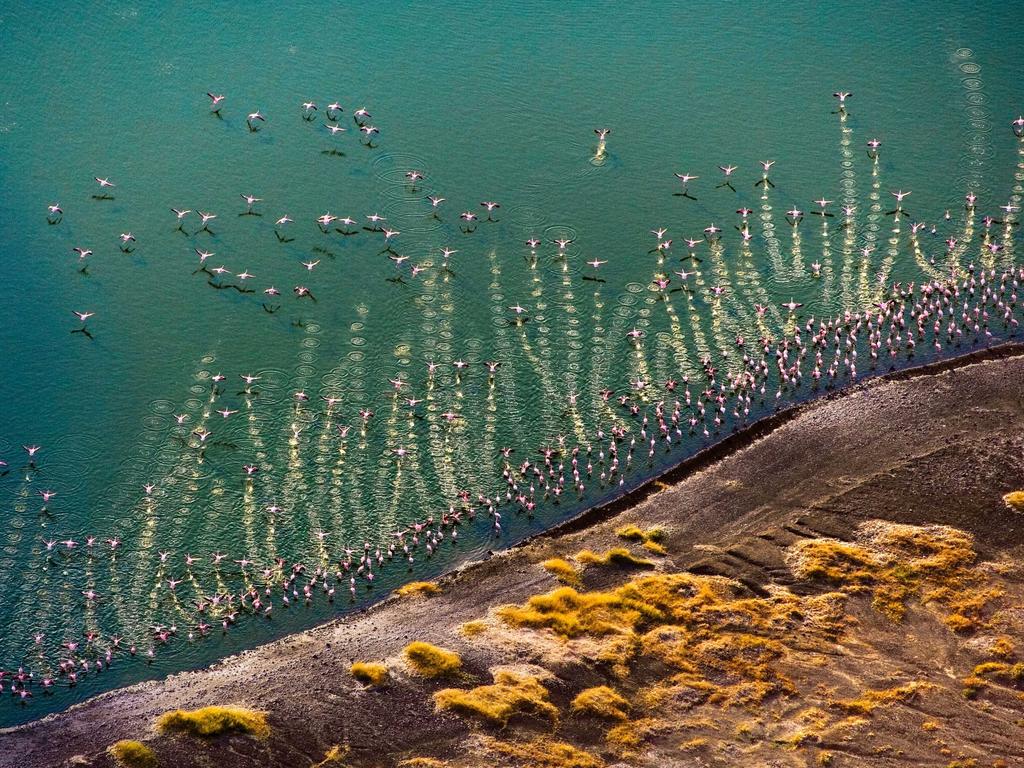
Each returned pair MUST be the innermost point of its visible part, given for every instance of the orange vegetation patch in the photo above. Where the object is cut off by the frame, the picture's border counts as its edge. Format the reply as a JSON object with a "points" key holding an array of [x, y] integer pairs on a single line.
{"points": [[215, 720], [716, 640], [543, 753], [430, 661], [896, 563], [562, 570], [370, 672], [418, 589], [601, 701], [871, 700], [651, 539], [615, 556], [511, 694], [1015, 500]]}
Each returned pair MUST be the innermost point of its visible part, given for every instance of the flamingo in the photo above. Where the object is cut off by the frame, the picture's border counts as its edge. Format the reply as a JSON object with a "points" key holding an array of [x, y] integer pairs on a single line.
{"points": [[216, 101]]}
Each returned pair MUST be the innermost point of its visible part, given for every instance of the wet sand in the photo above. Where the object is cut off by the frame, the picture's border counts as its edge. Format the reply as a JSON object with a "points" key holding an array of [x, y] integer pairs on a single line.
{"points": [[937, 445]]}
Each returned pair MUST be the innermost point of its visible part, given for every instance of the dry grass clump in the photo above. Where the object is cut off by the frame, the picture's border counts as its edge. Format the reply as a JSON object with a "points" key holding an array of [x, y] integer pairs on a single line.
{"points": [[369, 672], [213, 721], [473, 628], [418, 589], [601, 701], [650, 539], [430, 661], [630, 735], [544, 753], [834, 561], [511, 694], [616, 556], [871, 700], [422, 762], [132, 754], [972, 686], [720, 643], [570, 613], [1002, 647], [899, 562], [1015, 500], [1009, 674], [562, 570], [333, 757]]}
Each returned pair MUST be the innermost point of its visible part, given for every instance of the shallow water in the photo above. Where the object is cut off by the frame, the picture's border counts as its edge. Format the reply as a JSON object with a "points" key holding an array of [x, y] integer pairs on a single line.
{"points": [[490, 104]]}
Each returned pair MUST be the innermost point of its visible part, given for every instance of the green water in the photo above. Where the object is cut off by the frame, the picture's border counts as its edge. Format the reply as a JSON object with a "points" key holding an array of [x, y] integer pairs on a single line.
{"points": [[490, 104]]}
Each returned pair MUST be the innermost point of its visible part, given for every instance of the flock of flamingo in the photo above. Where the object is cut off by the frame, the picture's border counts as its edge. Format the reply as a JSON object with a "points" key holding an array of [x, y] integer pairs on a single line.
{"points": [[759, 354]]}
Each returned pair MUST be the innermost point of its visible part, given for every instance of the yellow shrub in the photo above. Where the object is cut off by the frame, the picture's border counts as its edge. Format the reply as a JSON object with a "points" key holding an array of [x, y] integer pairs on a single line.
{"points": [[562, 570], [333, 757], [473, 628], [213, 721], [650, 539], [601, 701], [834, 561], [629, 735], [369, 672], [687, 622], [616, 556], [997, 670], [631, 533], [418, 589], [1015, 500], [1002, 647], [897, 562], [431, 661], [511, 694], [972, 686], [545, 753], [132, 754], [870, 700]]}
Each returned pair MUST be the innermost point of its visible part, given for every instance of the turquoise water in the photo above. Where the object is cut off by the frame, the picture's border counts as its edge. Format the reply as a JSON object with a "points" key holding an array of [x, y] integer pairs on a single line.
{"points": [[490, 104]]}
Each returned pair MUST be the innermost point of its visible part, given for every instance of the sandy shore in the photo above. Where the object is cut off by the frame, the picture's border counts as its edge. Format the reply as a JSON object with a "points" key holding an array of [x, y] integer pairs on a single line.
{"points": [[929, 447]]}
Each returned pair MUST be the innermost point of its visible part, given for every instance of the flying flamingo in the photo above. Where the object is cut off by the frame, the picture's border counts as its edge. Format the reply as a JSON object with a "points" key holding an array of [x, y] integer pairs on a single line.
{"points": [[216, 102]]}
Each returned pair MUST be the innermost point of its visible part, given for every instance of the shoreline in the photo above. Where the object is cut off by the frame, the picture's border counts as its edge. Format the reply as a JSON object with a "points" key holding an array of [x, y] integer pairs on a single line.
{"points": [[740, 439], [913, 453], [707, 457]]}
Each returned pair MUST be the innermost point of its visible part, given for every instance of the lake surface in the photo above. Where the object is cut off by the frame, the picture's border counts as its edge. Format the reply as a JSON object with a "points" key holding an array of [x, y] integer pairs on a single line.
{"points": [[490, 104]]}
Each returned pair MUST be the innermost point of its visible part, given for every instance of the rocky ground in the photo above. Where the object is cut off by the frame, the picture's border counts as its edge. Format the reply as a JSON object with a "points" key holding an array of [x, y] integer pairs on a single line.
{"points": [[846, 589]]}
